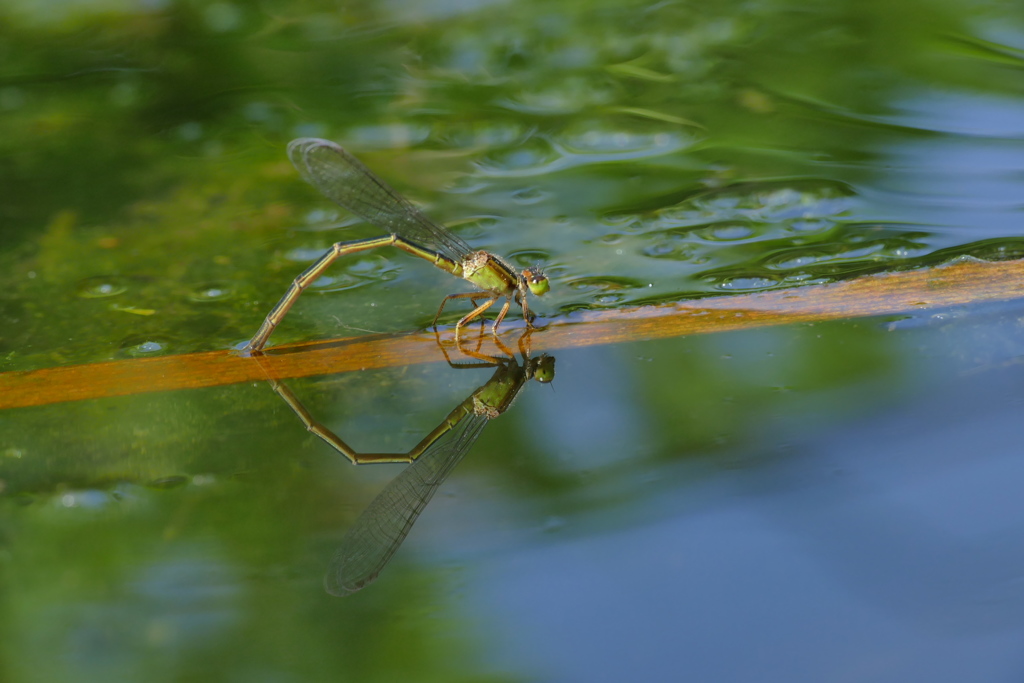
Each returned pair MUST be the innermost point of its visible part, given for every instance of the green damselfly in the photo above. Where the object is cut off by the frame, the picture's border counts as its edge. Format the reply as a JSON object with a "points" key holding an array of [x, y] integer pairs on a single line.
{"points": [[345, 180]]}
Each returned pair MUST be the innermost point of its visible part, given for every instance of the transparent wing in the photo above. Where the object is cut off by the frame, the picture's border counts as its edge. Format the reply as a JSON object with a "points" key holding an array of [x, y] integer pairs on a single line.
{"points": [[386, 521], [345, 180]]}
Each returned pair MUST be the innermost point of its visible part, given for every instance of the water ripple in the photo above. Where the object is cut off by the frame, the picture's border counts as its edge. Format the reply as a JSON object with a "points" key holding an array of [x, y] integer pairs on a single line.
{"points": [[556, 154]]}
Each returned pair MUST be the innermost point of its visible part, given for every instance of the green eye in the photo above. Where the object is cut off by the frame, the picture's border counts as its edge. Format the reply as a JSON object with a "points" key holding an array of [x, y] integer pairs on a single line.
{"points": [[544, 372], [536, 281]]}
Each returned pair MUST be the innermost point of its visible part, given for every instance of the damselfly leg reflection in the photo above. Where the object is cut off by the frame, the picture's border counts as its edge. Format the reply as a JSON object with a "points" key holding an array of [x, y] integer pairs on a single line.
{"points": [[378, 532]]}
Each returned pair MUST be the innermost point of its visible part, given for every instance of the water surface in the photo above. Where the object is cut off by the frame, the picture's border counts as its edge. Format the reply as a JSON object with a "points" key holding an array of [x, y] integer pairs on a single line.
{"points": [[807, 502]]}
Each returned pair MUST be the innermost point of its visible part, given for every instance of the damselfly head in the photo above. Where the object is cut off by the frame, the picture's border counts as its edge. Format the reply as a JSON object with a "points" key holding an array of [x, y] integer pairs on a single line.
{"points": [[543, 368], [536, 280]]}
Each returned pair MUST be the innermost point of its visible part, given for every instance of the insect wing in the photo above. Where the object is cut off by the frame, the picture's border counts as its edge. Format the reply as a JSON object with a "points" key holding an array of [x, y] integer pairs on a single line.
{"points": [[345, 180], [378, 532]]}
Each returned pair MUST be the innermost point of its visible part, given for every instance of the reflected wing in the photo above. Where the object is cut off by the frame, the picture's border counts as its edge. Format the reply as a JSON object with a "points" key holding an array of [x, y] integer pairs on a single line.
{"points": [[384, 524], [345, 180]]}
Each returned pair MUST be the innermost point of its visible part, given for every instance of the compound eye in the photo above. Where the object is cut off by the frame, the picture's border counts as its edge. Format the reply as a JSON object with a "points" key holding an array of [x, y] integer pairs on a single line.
{"points": [[544, 370], [536, 281]]}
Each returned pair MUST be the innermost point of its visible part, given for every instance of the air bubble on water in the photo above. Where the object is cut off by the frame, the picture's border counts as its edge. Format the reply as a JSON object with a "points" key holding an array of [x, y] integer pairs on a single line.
{"points": [[101, 287], [211, 292], [747, 283], [138, 346]]}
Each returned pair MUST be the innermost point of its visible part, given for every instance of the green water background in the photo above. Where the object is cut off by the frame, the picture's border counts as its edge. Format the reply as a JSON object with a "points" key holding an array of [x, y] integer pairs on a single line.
{"points": [[643, 152]]}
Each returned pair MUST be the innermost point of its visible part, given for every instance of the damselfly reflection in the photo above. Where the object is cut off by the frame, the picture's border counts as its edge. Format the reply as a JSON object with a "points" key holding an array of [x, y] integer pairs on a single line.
{"points": [[382, 527]]}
